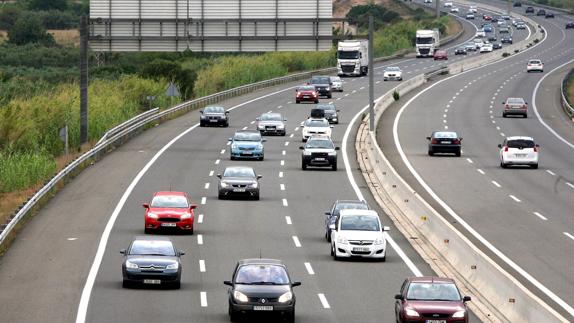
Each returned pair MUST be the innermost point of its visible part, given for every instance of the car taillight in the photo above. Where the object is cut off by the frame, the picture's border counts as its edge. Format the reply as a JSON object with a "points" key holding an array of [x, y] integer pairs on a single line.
{"points": [[456, 141], [535, 149], [434, 141], [524, 106], [505, 148], [506, 106]]}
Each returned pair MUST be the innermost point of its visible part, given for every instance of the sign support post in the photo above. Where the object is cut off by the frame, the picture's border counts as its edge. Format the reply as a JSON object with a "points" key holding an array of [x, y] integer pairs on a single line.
{"points": [[371, 77]]}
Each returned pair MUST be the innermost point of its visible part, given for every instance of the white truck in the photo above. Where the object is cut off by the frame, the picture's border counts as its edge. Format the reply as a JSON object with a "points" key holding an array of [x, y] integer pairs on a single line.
{"points": [[427, 42], [353, 57]]}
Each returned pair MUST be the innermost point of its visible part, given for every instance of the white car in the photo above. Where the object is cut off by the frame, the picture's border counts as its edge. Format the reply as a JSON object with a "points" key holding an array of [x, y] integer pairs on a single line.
{"points": [[314, 127], [393, 73], [519, 151], [535, 65], [358, 233], [478, 43], [448, 4], [428, 1], [473, 9], [470, 15], [336, 84], [480, 33], [454, 9], [486, 48]]}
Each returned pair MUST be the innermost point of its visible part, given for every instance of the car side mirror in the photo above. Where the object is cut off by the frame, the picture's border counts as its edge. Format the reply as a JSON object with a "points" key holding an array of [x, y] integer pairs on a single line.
{"points": [[525, 102], [227, 282], [301, 147], [502, 102], [181, 253], [399, 297], [460, 138], [263, 140], [123, 251], [193, 206], [337, 148], [332, 227], [146, 205], [226, 112], [259, 176], [230, 139], [257, 119], [466, 299], [537, 146], [385, 228], [218, 175], [284, 119], [499, 146], [295, 284], [327, 213], [338, 110], [201, 111], [332, 127], [428, 138]]}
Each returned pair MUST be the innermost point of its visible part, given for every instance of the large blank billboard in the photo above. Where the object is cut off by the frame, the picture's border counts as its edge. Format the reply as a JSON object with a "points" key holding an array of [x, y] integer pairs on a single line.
{"points": [[210, 25]]}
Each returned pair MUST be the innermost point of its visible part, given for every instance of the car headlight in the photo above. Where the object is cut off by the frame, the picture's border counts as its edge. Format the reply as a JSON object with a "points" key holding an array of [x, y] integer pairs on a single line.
{"points": [[254, 185], [411, 312], [233, 146], [328, 88], [306, 153], [186, 216], [332, 153], [379, 241], [260, 146], [240, 297], [459, 314], [202, 117], [131, 265], [172, 266], [260, 126], [223, 184], [285, 297], [342, 240], [152, 215], [281, 126]]}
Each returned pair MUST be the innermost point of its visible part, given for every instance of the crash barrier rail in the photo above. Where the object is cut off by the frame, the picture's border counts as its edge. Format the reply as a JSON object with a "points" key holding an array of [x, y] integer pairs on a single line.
{"points": [[501, 297], [130, 128], [564, 97]]}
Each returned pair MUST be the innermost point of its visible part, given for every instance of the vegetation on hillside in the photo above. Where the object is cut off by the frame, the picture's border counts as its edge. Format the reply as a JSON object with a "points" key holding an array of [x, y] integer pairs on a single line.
{"points": [[566, 4]]}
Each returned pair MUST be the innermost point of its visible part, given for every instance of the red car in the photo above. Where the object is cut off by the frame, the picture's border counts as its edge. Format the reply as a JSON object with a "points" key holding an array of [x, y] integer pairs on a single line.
{"points": [[430, 299], [306, 93], [440, 54], [486, 17], [169, 210]]}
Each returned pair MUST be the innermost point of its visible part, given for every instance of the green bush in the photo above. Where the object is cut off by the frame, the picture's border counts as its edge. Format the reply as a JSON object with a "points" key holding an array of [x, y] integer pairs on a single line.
{"points": [[8, 17], [396, 96], [20, 170], [28, 29], [359, 16]]}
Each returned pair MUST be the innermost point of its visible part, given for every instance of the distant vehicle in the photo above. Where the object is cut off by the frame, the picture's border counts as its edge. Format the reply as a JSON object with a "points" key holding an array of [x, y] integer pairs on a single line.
{"points": [[513, 106], [517, 21], [444, 142], [393, 73], [428, 1], [422, 297], [247, 144], [549, 15], [261, 286], [319, 151], [570, 25], [315, 126], [517, 4], [460, 51], [534, 65], [486, 17], [440, 55], [486, 48], [492, 38], [336, 84], [505, 17], [333, 214], [448, 4], [473, 9], [506, 39], [496, 45], [495, 18], [329, 112], [488, 28], [480, 33], [151, 260], [470, 16], [541, 12], [529, 9], [169, 210], [478, 42], [271, 123], [501, 23], [322, 85], [353, 58], [470, 46], [238, 181], [454, 10], [306, 93], [427, 42], [520, 26], [504, 30], [213, 115], [519, 151]]}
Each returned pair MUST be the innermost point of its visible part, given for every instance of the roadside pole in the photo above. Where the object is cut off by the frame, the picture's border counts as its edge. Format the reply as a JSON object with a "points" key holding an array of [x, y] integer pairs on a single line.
{"points": [[84, 80], [509, 7], [437, 9], [371, 77]]}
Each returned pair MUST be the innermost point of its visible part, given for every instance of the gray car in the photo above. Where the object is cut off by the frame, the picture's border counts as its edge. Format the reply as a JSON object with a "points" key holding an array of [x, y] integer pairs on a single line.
{"points": [[337, 84], [239, 181], [214, 116], [330, 112], [271, 124]]}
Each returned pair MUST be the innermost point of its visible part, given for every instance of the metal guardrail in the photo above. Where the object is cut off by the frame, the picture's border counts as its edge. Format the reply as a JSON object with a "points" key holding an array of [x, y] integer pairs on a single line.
{"points": [[563, 88], [126, 124]]}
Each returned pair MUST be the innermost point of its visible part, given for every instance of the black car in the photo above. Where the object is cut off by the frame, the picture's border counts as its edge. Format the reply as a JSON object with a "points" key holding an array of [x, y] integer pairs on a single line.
{"points": [[460, 51], [496, 45], [329, 112], [319, 151], [322, 85], [541, 12], [261, 286], [214, 116], [238, 181], [492, 38], [529, 10], [333, 215], [517, 4], [151, 260], [549, 15], [444, 142], [570, 25], [506, 40], [495, 19]]}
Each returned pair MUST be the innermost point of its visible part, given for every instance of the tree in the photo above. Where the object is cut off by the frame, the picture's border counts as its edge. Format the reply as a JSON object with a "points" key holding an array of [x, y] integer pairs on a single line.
{"points": [[28, 29], [8, 17], [47, 4]]}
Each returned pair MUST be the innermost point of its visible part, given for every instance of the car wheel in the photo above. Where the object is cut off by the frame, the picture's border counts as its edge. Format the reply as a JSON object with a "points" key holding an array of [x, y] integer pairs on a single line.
{"points": [[458, 153], [148, 231], [220, 196], [383, 259], [504, 115], [525, 115], [330, 96], [316, 101], [177, 285], [503, 165], [334, 166], [126, 284], [332, 250], [284, 134], [231, 158], [303, 165], [226, 124], [256, 197], [191, 231], [201, 124], [233, 315], [431, 153], [291, 317], [328, 235], [535, 166], [297, 101], [261, 158]]}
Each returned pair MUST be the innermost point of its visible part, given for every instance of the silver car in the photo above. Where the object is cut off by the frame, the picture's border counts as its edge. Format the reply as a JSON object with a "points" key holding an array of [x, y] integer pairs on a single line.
{"points": [[271, 123], [240, 181], [514, 106], [336, 84]]}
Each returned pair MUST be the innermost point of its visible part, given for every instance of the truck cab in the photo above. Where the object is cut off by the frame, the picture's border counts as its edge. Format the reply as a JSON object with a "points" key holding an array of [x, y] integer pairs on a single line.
{"points": [[353, 58], [427, 42]]}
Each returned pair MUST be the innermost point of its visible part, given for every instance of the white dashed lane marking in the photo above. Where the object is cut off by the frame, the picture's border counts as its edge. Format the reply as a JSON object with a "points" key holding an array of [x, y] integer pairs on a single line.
{"points": [[286, 143], [310, 270], [496, 184], [280, 174], [282, 163], [514, 198], [282, 186], [202, 265], [469, 160], [480, 171], [540, 216], [285, 202], [203, 298], [570, 184], [283, 153], [244, 128], [203, 200], [323, 300], [206, 186], [200, 218], [199, 239], [217, 162], [296, 242], [288, 220], [211, 173], [551, 172], [569, 235]]}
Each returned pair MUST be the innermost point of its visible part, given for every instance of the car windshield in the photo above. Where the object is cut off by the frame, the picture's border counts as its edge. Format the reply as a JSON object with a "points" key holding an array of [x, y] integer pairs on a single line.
{"points": [[319, 143], [360, 223], [316, 123], [348, 54], [520, 143], [424, 40], [152, 248], [515, 101], [306, 88], [445, 134], [169, 201], [239, 172], [350, 206], [392, 69], [320, 80], [433, 292], [271, 117], [262, 275], [534, 61], [214, 110], [335, 79], [247, 136], [326, 107]]}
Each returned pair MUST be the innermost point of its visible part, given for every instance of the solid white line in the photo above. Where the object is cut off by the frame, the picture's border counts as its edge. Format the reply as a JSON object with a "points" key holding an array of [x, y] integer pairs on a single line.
{"points": [[296, 241], [309, 269], [200, 218], [280, 174], [570, 184], [569, 235], [540, 216], [222, 151], [206, 186], [202, 265], [203, 297], [282, 186], [480, 171], [199, 239], [469, 160], [288, 219], [514, 198], [203, 200], [550, 172], [323, 300], [211, 173], [217, 162], [285, 202], [282, 162]]}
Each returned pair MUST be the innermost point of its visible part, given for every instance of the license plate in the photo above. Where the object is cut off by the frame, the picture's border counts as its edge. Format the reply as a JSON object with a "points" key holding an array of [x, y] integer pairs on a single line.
{"points": [[152, 281], [239, 190], [168, 224], [361, 249], [445, 142], [436, 321], [520, 155], [305, 96], [320, 159], [213, 120], [262, 308], [247, 152]]}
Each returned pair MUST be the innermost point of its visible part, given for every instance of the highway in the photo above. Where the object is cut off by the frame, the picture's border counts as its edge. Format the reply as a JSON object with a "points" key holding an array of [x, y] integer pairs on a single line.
{"points": [[526, 214], [44, 273]]}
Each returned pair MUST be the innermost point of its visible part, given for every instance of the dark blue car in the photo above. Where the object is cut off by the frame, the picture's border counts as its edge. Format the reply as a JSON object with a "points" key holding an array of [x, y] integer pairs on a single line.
{"points": [[333, 214]]}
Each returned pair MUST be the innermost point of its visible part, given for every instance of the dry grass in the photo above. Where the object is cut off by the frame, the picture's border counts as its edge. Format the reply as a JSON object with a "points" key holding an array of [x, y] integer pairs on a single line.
{"points": [[3, 36], [453, 27], [67, 37]]}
